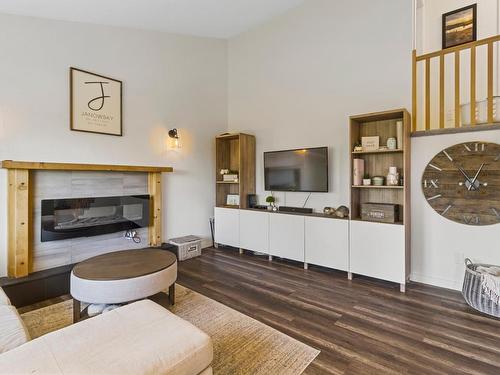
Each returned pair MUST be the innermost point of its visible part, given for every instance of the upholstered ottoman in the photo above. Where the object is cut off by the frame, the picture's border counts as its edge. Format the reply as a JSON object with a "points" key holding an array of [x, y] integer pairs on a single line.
{"points": [[137, 339], [123, 276]]}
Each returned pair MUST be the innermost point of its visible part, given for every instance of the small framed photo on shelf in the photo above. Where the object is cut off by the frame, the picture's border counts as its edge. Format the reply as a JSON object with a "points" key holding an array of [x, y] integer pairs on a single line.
{"points": [[460, 26], [370, 143], [233, 200]]}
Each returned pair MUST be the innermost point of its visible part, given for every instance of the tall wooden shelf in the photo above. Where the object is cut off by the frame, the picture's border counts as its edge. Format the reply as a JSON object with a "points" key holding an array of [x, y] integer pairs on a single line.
{"points": [[235, 152], [369, 248]]}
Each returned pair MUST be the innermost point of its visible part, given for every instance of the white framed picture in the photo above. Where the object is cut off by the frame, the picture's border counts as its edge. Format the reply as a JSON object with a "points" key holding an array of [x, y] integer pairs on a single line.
{"points": [[233, 200], [95, 103]]}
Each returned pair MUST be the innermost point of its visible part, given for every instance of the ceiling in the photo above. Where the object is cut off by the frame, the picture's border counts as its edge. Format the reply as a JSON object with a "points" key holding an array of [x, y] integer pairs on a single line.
{"points": [[207, 18]]}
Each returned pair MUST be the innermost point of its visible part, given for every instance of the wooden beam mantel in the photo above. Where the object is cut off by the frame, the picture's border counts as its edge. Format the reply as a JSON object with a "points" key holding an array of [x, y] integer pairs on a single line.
{"points": [[20, 202], [40, 165]]}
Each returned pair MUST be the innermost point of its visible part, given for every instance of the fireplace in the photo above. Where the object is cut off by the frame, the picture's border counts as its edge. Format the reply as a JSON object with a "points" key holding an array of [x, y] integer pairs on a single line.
{"points": [[86, 217]]}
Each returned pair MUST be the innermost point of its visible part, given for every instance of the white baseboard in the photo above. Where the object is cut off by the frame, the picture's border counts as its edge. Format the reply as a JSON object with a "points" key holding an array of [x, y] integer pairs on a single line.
{"points": [[206, 242], [437, 281]]}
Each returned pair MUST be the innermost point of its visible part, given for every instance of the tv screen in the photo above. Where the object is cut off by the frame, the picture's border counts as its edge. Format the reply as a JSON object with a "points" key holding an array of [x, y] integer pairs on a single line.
{"points": [[297, 170]]}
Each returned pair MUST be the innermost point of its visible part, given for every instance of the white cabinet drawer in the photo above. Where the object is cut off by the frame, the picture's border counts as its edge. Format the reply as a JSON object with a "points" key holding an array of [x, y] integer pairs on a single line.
{"points": [[227, 226], [378, 250], [327, 242], [286, 236], [254, 231]]}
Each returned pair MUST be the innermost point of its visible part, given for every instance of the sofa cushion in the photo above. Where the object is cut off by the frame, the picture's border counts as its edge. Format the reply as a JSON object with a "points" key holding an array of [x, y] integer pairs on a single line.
{"points": [[12, 330], [140, 338], [4, 300]]}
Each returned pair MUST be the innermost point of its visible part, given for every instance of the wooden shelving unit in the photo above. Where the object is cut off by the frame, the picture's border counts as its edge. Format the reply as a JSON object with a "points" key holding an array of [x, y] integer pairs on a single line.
{"points": [[381, 250], [377, 163], [235, 152]]}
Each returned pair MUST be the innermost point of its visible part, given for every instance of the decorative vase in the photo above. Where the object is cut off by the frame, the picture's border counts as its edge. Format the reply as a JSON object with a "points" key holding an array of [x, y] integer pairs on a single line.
{"points": [[391, 143], [393, 177], [358, 171]]}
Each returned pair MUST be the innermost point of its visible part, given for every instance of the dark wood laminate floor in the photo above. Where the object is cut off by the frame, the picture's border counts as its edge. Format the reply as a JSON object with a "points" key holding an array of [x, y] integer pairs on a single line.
{"points": [[364, 326]]}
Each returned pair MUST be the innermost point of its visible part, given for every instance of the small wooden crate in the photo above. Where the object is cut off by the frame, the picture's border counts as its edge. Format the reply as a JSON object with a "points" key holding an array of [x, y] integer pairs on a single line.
{"points": [[187, 247], [380, 212]]}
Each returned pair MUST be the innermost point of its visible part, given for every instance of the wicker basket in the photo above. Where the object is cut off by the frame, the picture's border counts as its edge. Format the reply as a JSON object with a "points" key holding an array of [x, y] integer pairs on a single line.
{"points": [[473, 292]]}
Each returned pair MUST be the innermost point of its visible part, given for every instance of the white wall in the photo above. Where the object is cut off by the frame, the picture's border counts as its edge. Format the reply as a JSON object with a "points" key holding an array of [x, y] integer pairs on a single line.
{"points": [[294, 81], [168, 81], [439, 245]]}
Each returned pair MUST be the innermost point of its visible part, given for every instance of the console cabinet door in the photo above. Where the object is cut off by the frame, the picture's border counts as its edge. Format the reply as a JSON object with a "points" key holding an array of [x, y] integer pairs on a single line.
{"points": [[327, 242], [378, 250], [227, 226], [254, 231], [286, 236]]}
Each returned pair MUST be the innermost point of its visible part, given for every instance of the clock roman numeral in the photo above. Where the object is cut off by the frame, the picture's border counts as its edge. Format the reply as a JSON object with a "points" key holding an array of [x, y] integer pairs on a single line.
{"points": [[472, 219], [431, 183], [497, 214], [477, 147]]}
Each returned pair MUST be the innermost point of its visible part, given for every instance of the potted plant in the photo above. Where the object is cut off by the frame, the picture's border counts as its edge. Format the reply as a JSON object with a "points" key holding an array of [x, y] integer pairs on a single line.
{"points": [[367, 180], [270, 199]]}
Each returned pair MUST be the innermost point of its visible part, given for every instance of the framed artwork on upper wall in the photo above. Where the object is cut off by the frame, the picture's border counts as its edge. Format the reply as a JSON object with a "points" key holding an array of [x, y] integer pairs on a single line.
{"points": [[95, 103], [460, 26]]}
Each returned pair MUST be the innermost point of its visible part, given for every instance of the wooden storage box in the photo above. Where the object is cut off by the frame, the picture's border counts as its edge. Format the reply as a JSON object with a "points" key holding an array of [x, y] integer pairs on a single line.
{"points": [[380, 212]]}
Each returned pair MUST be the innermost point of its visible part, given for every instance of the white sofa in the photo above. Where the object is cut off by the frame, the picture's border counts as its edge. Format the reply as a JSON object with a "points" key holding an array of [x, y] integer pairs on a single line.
{"points": [[139, 338]]}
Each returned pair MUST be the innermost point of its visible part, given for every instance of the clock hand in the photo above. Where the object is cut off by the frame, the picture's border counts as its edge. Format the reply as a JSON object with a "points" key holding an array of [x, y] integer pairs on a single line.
{"points": [[475, 177], [465, 175]]}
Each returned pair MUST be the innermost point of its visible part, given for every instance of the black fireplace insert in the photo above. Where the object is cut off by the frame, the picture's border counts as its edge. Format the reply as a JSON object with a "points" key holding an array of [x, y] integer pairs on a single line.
{"points": [[86, 217]]}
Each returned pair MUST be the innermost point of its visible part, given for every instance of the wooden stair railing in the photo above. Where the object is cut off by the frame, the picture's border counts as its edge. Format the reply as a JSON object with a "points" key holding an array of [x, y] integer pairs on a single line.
{"points": [[426, 58]]}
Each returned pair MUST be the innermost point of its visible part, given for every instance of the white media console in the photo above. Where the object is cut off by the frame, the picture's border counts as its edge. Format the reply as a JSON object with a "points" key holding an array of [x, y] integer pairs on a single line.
{"points": [[359, 247]]}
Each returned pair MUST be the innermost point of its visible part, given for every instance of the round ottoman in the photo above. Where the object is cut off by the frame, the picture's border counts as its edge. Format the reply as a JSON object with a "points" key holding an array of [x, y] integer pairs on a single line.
{"points": [[123, 276]]}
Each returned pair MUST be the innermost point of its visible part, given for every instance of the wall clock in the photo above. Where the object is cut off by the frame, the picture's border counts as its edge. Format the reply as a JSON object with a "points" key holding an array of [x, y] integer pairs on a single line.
{"points": [[462, 183]]}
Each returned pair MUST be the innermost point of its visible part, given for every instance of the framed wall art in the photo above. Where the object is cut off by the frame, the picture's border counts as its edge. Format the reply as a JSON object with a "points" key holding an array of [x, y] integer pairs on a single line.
{"points": [[460, 26], [95, 103]]}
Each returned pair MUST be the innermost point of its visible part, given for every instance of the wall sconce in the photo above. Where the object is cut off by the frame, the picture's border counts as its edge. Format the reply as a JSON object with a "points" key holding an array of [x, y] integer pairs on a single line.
{"points": [[174, 138]]}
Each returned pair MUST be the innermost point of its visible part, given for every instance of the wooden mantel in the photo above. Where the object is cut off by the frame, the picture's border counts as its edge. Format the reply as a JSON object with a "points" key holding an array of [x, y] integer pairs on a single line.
{"points": [[12, 164], [20, 203]]}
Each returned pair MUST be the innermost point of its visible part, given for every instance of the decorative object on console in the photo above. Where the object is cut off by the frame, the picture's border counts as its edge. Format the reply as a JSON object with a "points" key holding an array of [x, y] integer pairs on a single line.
{"points": [[459, 26], [371, 143], [342, 212], [95, 103], [271, 200], [358, 170], [251, 200], [378, 181], [358, 148], [174, 136], [392, 177], [329, 211], [380, 212], [460, 183], [391, 143], [223, 172], [233, 200]]}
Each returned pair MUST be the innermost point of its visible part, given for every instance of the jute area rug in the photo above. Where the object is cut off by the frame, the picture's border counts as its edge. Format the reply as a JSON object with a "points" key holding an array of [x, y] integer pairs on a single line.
{"points": [[242, 345]]}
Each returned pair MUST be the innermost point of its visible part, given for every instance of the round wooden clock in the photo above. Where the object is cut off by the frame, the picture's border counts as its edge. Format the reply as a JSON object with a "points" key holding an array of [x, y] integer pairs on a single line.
{"points": [[462, 183]]}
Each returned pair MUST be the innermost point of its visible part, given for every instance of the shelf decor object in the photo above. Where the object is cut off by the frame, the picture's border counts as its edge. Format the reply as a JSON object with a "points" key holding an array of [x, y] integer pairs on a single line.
{"points": [[235, 166], [381, 249]]}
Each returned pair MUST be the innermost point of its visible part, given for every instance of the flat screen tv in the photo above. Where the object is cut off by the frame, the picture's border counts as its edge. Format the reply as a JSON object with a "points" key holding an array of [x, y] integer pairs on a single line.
{"points": [[303, 170]]}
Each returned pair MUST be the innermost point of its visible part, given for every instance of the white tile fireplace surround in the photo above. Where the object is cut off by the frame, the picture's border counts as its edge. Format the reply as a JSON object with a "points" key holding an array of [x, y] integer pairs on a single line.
{"points": [[79, 184]]}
